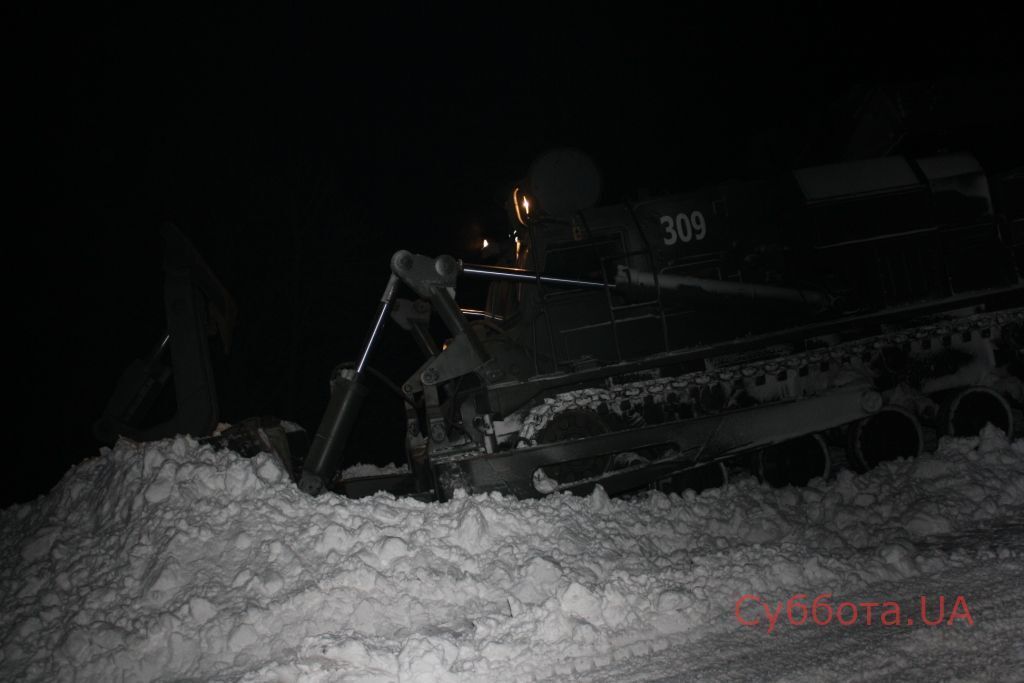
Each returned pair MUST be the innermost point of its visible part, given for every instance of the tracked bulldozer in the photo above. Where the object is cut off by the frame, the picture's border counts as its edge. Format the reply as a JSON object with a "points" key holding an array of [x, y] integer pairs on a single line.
{"points": [[833, 316], [840, 315]]}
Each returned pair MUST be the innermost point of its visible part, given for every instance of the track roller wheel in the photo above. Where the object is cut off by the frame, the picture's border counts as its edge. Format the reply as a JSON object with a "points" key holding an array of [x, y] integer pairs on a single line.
{"points": [[794, 462], [970, 409], [893, 432]]}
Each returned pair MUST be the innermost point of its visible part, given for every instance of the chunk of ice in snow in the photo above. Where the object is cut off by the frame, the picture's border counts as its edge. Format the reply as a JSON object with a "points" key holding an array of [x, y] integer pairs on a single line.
{"points": [[543, 483], [578, 601]]}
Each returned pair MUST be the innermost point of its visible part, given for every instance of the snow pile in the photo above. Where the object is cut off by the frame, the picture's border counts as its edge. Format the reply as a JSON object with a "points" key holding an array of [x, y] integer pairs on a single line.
{"points": [[362, 470], [172, 560]]}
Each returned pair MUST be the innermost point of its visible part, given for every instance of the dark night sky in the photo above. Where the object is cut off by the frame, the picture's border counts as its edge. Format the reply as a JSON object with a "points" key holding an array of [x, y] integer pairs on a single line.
{"points": [[299, 148]]}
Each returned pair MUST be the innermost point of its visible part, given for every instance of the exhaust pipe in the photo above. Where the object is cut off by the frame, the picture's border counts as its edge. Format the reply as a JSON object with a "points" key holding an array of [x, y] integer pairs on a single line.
{"points": [[971, 408], [794, 462], [893, 432]]}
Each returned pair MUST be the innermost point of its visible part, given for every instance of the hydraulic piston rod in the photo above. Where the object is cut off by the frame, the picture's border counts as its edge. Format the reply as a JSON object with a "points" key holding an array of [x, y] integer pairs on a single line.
{"points": [[692, 288], [519, 275], [347, 397]]}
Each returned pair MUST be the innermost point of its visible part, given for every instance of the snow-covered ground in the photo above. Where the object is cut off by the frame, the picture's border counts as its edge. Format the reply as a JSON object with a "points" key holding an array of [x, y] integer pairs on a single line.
{"points": [[171, 561]]}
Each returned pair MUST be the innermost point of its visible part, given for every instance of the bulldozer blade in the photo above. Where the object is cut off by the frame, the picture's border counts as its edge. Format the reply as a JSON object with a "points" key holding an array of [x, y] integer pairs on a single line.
{"points": [[286, 441]]}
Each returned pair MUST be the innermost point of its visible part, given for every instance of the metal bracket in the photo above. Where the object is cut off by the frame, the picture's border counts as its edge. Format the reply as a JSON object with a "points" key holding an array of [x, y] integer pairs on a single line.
{"points": [[434, 280], [424, 274]]}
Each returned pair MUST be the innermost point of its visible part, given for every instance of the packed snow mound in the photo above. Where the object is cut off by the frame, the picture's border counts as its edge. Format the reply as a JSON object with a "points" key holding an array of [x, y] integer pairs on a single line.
{"points": [[362, 470], [172, 560]]}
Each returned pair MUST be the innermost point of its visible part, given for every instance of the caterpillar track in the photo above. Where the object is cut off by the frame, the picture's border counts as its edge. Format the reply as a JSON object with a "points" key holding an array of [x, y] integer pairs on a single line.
{"points": [[973, 341], [792, 376]]}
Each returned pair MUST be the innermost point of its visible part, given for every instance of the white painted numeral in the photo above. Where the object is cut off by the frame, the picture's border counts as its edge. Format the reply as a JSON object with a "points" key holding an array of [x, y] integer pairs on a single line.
{"points": [[670, 230], [684, 227]]}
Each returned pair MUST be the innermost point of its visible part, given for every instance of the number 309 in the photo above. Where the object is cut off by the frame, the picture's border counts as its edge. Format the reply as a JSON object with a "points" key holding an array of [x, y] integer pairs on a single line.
{"points": [[684, 228]]}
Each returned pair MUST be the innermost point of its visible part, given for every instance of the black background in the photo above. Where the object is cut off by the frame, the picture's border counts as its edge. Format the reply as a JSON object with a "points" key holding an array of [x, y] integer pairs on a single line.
{"points": [[298, 148]]}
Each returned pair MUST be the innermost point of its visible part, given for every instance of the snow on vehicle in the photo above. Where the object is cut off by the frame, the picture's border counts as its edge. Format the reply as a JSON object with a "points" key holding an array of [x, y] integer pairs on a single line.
{"points": [[842, 310]]}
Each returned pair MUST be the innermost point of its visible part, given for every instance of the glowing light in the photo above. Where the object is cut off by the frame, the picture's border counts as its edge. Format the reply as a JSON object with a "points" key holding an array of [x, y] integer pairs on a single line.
{"points": [[526, 204], [486, 244], [515, 205], [517, 248]]}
